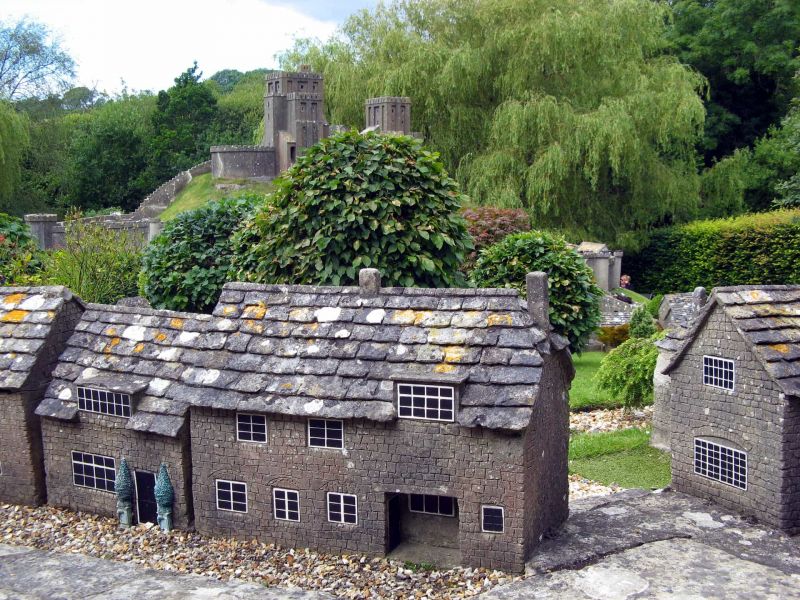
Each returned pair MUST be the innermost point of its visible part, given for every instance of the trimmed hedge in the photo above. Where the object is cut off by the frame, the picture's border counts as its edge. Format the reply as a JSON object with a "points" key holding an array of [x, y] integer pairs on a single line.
{"points": [[761, 248]]}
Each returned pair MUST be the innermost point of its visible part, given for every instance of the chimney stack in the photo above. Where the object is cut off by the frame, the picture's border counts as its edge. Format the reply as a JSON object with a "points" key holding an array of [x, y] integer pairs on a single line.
{"points": [[538, 299], [369, 280], [699, 297]]}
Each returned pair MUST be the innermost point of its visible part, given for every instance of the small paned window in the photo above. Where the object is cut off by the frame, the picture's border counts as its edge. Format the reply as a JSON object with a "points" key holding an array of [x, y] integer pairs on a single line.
{"points": [[429, 402], [231, 495], [93, 471], [287, 504], [492, 519], [104, 402], [718, 372], [342, 508], [251, 428], [432, 505], [720, 463], [325, 433]]}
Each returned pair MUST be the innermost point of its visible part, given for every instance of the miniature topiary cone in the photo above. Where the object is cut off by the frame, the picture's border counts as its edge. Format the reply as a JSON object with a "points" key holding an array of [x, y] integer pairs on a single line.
{"points": [[123, 485], [165, 497]]}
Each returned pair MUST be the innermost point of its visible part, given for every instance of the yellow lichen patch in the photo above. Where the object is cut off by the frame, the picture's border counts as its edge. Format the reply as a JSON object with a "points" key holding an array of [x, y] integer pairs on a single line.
{"points": [[253, 326], [111, 331], [444, 368], [255, 311], [495, 320], [782, 348], [51, 314], [13, 299], [176, 323], [453, 353], [420, 316], [228, 310], [287, 386], [138, 347], [758, 295], [14, 316], [404, 317], [111, 345], [160, 336]]}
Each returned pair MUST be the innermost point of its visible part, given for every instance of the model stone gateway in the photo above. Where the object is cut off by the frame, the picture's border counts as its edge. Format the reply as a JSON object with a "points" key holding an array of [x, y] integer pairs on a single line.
{"points": [[338, 418], [728, 402]]}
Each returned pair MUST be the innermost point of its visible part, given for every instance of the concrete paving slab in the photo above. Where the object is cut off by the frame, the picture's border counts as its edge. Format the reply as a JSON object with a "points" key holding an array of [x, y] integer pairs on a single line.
{"points": [[30, 574]]}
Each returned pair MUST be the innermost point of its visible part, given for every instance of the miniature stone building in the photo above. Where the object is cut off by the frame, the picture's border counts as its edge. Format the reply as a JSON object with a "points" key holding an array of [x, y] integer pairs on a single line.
{"points": [[389, 114], [733, 407], [339, 418], [34, 325], [605, 264]]}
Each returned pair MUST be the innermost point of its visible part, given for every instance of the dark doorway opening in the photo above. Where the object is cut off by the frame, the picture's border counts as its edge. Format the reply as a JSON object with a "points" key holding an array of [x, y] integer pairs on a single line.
{"points": [[146, 507], [423, 528]]}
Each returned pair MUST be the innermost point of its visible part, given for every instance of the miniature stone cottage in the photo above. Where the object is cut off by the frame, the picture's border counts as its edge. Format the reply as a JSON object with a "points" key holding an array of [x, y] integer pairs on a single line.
{"points": [[34, 325], [339, 418], [732, 414]]}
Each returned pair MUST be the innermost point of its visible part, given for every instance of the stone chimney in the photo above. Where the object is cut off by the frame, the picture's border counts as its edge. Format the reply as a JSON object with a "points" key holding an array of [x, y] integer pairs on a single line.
{"points": [[538, 299], [699, 297], [369, 280]]}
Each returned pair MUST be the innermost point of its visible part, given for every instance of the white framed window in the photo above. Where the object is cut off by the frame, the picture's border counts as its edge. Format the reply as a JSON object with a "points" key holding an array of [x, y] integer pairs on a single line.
{"points": [[325, 433], [428, 402], [342, 508], [251, 428], [93, 471], [231, 495], [492, 519], [104, 402], [718, 372], [432, 505], [720, 463], [286, 504]]}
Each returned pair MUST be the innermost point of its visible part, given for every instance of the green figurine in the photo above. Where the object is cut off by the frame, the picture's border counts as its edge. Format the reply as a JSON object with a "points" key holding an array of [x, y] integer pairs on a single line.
{"points": [[123, 486], [165, 497]]}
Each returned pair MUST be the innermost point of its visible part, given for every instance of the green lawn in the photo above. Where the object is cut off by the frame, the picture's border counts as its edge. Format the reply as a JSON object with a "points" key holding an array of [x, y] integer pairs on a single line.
{"points": [[621, 457], [630, 294], [201, 190], [584, 394]]}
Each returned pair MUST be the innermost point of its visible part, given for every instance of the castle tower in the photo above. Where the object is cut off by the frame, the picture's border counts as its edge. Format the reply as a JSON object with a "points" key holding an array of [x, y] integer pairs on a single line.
{"points": [[389, 114]]}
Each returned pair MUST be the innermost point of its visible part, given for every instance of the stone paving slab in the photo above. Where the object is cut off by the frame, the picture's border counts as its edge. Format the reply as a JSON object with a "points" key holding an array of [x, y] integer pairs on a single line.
{"points": [[30, 574], [638, 544]]}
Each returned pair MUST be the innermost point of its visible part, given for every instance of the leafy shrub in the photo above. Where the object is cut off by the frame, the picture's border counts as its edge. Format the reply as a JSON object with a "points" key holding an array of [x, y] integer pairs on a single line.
{"points": [[18, 251], [642, 325], [613, 335], [98, 264], [574, 297], [488, 225], [761, 248], [627, 371], [355, 201], [185, 267], [654, 305]]}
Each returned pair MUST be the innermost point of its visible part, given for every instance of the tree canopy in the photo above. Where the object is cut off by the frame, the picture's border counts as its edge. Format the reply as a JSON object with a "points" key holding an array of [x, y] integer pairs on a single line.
{"points": [[571, 109], [32, 61], [14, 140]]}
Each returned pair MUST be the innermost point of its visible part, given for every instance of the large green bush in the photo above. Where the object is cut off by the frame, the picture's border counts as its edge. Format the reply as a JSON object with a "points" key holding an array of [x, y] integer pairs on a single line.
{"points": [[185, 267], [17, 250], [574, 296], [357, 201], [642, 324], [627, 371], [753, 249]]}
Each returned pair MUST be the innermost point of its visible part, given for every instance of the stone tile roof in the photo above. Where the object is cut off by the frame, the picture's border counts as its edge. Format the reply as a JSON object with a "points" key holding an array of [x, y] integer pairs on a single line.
{"points": [[677, 310], [27, 317], [615, 312], [768, 318], [305, 350]]}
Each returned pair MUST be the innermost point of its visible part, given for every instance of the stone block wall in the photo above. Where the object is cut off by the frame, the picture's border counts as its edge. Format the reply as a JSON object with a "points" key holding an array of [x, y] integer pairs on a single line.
{"points": [[546, 452], [21, 472], [242, 162], [107, 436], [750, 418], [476, 466]]}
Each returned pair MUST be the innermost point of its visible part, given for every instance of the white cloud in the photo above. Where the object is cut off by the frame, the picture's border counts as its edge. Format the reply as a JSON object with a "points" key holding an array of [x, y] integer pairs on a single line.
{"points": [[149, 43]]}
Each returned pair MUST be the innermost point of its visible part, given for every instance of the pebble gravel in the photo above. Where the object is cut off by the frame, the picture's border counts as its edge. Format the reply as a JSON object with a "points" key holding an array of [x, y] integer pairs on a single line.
{"points": [[597, 421], [345, 576]]}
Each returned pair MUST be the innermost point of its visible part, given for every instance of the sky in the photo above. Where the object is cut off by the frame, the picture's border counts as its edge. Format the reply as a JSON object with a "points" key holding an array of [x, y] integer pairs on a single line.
{"points": [[147, 43]]}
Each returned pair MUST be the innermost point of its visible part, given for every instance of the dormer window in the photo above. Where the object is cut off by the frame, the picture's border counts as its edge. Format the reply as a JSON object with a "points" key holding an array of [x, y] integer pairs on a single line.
{"points": [[426, 402], [104, 402]]}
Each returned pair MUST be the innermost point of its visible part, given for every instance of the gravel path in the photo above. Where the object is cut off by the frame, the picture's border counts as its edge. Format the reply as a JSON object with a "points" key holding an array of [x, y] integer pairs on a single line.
{"points": [[596, 421], [353, 576]]}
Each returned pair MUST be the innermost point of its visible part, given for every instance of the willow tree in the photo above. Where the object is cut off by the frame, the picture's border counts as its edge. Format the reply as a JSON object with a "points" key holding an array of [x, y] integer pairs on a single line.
{"points": [[13, 144], [568, 108]]}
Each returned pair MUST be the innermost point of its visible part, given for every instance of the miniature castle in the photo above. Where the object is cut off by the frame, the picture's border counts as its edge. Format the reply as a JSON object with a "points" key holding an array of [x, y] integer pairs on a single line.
{"points": [[294, 120]]}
